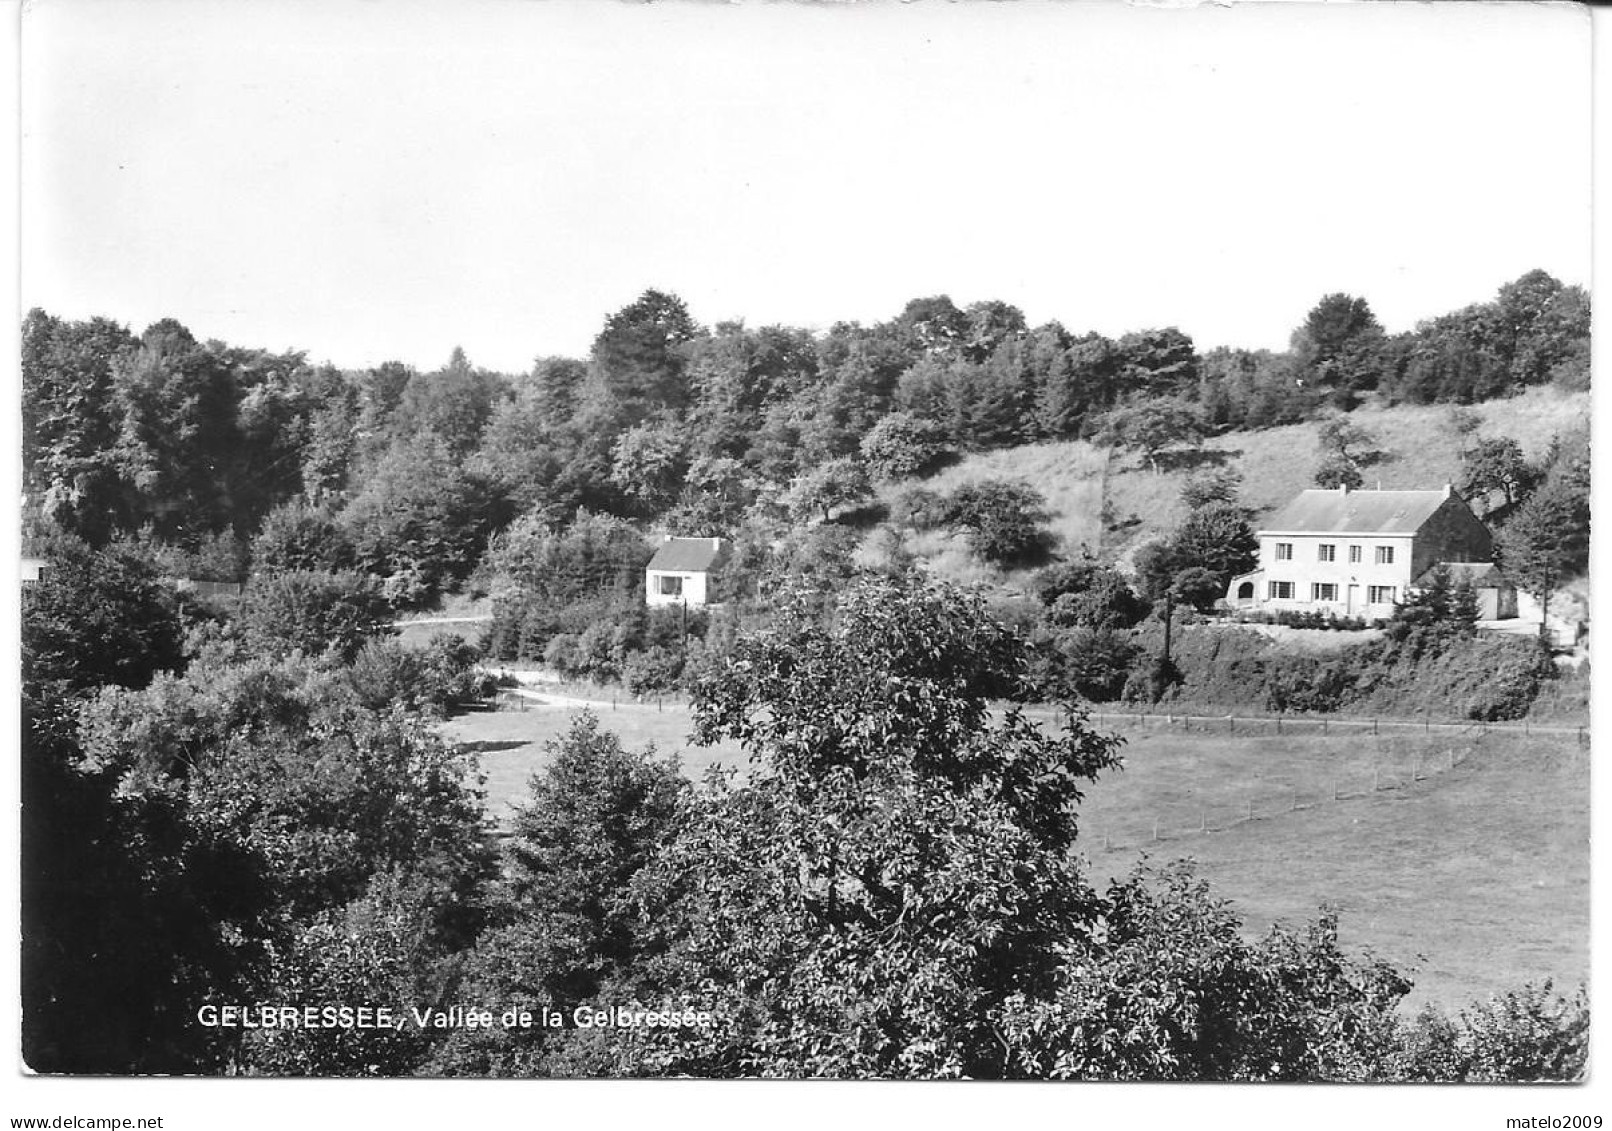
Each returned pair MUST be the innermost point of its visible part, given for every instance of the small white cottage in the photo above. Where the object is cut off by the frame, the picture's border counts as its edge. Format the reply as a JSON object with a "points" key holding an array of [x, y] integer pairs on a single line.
{"points": [[683, 571]]}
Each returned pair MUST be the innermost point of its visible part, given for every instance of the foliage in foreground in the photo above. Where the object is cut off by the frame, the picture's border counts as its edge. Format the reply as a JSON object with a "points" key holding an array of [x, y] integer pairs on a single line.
{"points": [[893, 894]]}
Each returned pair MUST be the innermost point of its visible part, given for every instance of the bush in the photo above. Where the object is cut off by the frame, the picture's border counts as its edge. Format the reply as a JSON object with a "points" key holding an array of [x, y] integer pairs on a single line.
{"points": [[311, 611], [901, 445], [1004, 521], [1524, 1035]]}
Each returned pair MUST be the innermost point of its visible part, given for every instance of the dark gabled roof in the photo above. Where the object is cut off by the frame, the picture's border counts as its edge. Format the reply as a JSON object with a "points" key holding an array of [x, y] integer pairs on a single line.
{"points": [[1482, 575], [687, 555], [1320, 511]]}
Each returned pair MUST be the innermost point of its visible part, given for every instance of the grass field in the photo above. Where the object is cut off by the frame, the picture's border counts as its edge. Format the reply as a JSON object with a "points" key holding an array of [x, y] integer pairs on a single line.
{"points": [[1481, 866], [1471, 851], [510, 743]]}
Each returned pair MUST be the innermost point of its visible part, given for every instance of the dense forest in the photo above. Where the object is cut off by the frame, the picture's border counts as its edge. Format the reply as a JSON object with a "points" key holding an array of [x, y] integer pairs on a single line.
{"points": [[245, 798]]}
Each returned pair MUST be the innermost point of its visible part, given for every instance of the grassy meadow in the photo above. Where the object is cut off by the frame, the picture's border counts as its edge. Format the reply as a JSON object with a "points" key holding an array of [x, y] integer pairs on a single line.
{"points": [[1471, 850]]}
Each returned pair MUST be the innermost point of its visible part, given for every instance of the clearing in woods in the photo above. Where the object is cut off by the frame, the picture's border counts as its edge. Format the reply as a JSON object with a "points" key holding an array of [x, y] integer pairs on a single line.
{"points": [[1473, 877]]}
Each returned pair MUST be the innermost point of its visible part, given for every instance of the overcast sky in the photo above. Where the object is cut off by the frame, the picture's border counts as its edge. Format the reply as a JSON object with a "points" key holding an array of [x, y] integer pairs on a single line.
{"points": [[367, 181]]}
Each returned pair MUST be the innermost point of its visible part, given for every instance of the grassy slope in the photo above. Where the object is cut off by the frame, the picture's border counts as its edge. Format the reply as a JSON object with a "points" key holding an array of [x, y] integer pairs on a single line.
{"points": [[1420, 450], [1483, 867]]}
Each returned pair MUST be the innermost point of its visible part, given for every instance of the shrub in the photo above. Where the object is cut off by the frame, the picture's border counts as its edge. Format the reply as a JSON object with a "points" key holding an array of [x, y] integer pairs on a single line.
{"points": [[901, 445], [1004, 521]]}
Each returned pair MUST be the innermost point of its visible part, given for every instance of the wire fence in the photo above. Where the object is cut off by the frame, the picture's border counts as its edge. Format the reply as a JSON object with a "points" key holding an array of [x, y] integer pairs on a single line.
{"points": [[1341, 725]]}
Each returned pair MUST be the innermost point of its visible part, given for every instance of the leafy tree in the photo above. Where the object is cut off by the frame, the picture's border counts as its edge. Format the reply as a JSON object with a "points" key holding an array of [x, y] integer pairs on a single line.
{"points": [[838, 483], [94, 618], [1544, 541], [1080, 380], [900, 446], [70, 423], [1005, 522], [1088, 595], [987, 326], [650, 464], [596, 816], [931, 326], [1339, 348], [295, 536], [311, 612], [637, 367], [176, 405], [1157, 364], [1094, 662], [1336, 471], [453, 404], [1495, 464], [1156, 426], [1172, 990], [1217, 485], [420, 522], [1215, 541], [868, 905], [1521, 1035]]}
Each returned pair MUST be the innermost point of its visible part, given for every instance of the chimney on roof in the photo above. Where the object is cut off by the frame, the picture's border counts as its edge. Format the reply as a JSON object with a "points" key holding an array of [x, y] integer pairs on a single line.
{"points": [[716, 543], [668, 537], [1343, 488], [1448, 489]]}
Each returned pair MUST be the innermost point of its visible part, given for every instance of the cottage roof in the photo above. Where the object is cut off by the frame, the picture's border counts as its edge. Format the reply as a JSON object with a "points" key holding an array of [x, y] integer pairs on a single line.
{"points": [[1320, 511], [1482, 575], [687, 555]]}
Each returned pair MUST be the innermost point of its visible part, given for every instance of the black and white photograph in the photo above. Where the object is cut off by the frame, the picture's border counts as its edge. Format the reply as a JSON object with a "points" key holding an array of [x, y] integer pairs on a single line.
{"points": [[684, 541]]}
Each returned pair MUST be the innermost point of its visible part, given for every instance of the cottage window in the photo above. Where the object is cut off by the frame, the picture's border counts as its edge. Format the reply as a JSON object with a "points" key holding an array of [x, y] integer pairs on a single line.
{"points": [[1354, 554], [670, 586], [1284, 551], [1385, 555], [1324, 591], [1380, 594], [1326, 552], [1281, 590]]}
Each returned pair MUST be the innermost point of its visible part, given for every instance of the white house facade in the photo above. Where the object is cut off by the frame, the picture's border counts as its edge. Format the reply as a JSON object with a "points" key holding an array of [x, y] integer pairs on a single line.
{"points": [[683, 571], [1357, 553]]}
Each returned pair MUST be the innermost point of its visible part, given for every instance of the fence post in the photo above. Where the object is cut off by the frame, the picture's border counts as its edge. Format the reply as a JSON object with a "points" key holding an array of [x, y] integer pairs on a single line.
{"points": [[1581, 736], [1203, 820], [1375, 781], [1374, 725], [1250, 809], [1323, 726], [1155, 828], [1334, 789], [1278, 724]]}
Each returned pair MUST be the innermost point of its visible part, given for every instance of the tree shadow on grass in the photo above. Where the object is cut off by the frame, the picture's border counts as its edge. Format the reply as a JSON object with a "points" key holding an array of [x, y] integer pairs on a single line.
{"points": [[1191, 459], [490, 747]]}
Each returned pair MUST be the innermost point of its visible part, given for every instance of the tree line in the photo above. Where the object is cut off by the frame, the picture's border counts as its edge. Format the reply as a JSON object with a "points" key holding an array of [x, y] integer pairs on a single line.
{"points": [[193, 444]]}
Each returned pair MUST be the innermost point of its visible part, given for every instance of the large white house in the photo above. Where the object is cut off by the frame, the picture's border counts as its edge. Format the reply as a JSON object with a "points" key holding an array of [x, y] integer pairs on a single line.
{"points": [[1357, 553], [683, 571]]}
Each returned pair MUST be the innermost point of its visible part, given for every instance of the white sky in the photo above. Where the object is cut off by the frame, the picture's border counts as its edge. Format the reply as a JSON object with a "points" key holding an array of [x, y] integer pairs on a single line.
{"points": [[368, 181]]}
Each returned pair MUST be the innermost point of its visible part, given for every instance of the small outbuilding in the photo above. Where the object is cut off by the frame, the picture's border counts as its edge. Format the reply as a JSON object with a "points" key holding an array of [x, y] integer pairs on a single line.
{"points": [[684, 571], [1497, 596]]}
